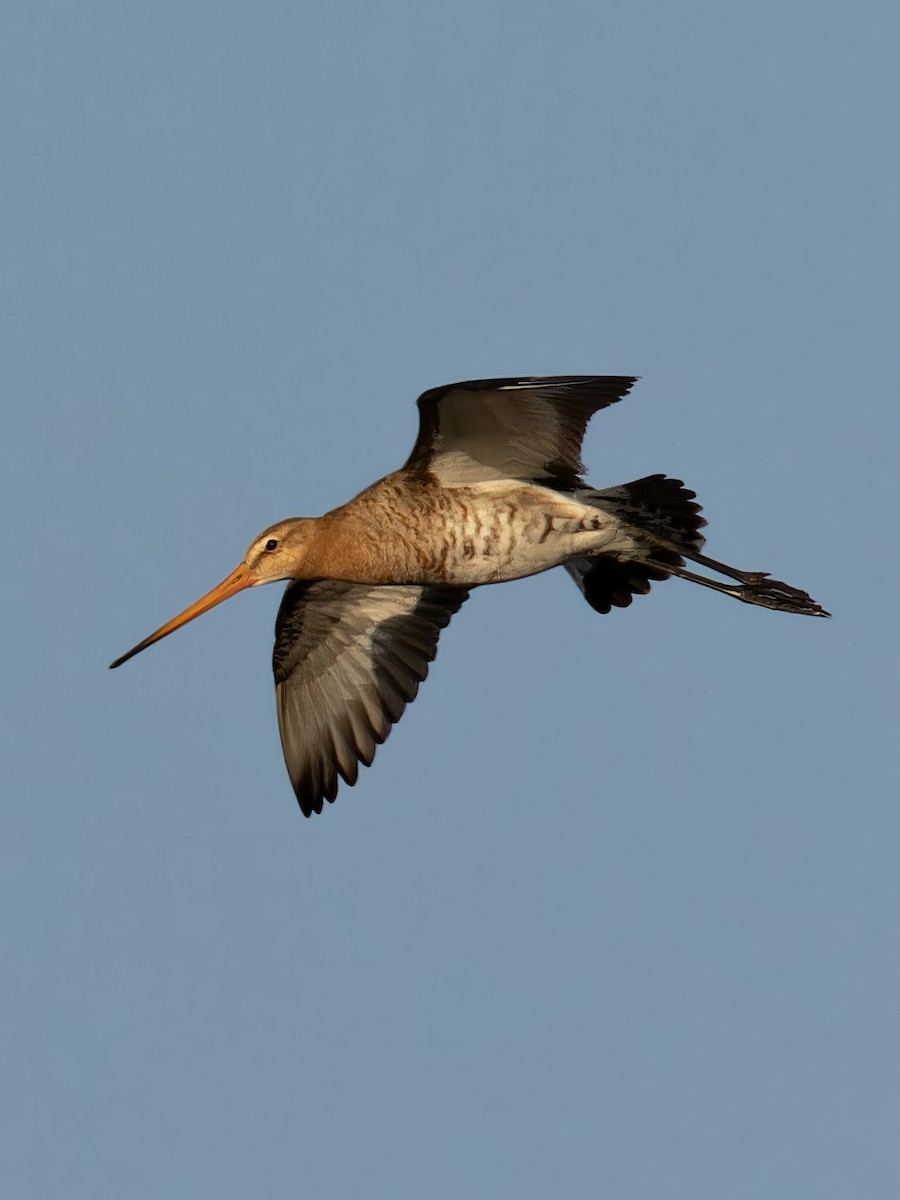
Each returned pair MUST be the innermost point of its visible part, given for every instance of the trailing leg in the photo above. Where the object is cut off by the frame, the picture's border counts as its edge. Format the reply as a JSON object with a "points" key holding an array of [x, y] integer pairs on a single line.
{"points": [[757, 588]]}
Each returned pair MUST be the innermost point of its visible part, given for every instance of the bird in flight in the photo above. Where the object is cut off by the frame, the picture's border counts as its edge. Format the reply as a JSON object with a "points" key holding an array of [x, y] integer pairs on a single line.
{"points": [[493, 490]]}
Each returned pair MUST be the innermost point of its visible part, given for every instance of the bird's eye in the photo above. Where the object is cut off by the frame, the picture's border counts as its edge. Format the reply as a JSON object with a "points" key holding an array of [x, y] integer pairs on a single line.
{"points": [[271, 544]]}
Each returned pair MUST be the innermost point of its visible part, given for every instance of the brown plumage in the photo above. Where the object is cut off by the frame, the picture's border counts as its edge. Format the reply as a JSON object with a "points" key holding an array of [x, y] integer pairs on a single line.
{"points": [[492, 491]]}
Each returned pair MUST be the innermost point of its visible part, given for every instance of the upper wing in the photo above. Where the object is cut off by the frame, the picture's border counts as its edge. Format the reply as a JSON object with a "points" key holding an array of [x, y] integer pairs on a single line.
{"points": [[348, 659], [511, 428]]}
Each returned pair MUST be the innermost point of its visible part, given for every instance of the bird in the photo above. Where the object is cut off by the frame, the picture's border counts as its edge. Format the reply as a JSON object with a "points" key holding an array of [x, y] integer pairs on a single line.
{"points": [[494, 490]]}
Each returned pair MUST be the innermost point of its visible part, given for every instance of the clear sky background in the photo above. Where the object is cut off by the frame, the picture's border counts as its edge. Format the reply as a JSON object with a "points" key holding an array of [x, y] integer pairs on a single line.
{"points": [[615, 912]]}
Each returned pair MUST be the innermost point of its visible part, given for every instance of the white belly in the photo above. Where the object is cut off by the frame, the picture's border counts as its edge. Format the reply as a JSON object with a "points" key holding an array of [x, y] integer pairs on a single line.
{"points": [[509, 530]]}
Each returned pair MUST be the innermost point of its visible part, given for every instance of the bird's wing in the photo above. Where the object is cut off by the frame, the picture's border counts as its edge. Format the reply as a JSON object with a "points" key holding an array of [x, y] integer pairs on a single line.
{"points": [[511, 428], [348, 659]]}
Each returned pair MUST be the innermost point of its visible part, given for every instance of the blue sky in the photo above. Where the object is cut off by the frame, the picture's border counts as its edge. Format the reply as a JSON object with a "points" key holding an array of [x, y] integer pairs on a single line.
{"points": [[615, 910]]}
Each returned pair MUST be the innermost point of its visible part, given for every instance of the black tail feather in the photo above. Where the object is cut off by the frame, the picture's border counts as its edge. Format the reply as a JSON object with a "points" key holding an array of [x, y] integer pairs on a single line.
{"points": [[606, 581], [664, 522], [656, 505], [659, 506]]}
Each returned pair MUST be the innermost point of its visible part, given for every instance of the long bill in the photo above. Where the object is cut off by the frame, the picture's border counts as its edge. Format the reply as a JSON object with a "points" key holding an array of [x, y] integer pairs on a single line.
{"points": [[236, 582]]}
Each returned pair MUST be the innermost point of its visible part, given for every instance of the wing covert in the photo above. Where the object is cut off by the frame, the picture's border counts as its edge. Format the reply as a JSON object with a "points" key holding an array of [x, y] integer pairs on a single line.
{"points": [[348, 659], [530, 428]]}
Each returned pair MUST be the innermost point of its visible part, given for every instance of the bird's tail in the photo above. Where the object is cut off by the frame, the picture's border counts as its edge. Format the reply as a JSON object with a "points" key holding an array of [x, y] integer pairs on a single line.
{"points": [[664, 521]]}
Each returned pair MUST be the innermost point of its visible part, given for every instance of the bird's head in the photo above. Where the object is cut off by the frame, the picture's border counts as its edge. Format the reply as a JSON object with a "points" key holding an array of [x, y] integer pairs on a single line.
{"points": [[278, 553]]}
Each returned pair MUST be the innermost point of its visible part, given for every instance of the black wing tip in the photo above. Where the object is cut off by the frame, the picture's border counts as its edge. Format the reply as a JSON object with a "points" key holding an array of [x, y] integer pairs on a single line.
{"points": [[312, 800], [623, 383], [312, 790]]}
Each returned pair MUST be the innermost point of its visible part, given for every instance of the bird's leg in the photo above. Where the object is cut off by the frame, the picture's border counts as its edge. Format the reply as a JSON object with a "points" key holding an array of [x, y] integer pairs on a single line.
{"points": [[756, 587], [748, 577], [759, 589]]}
